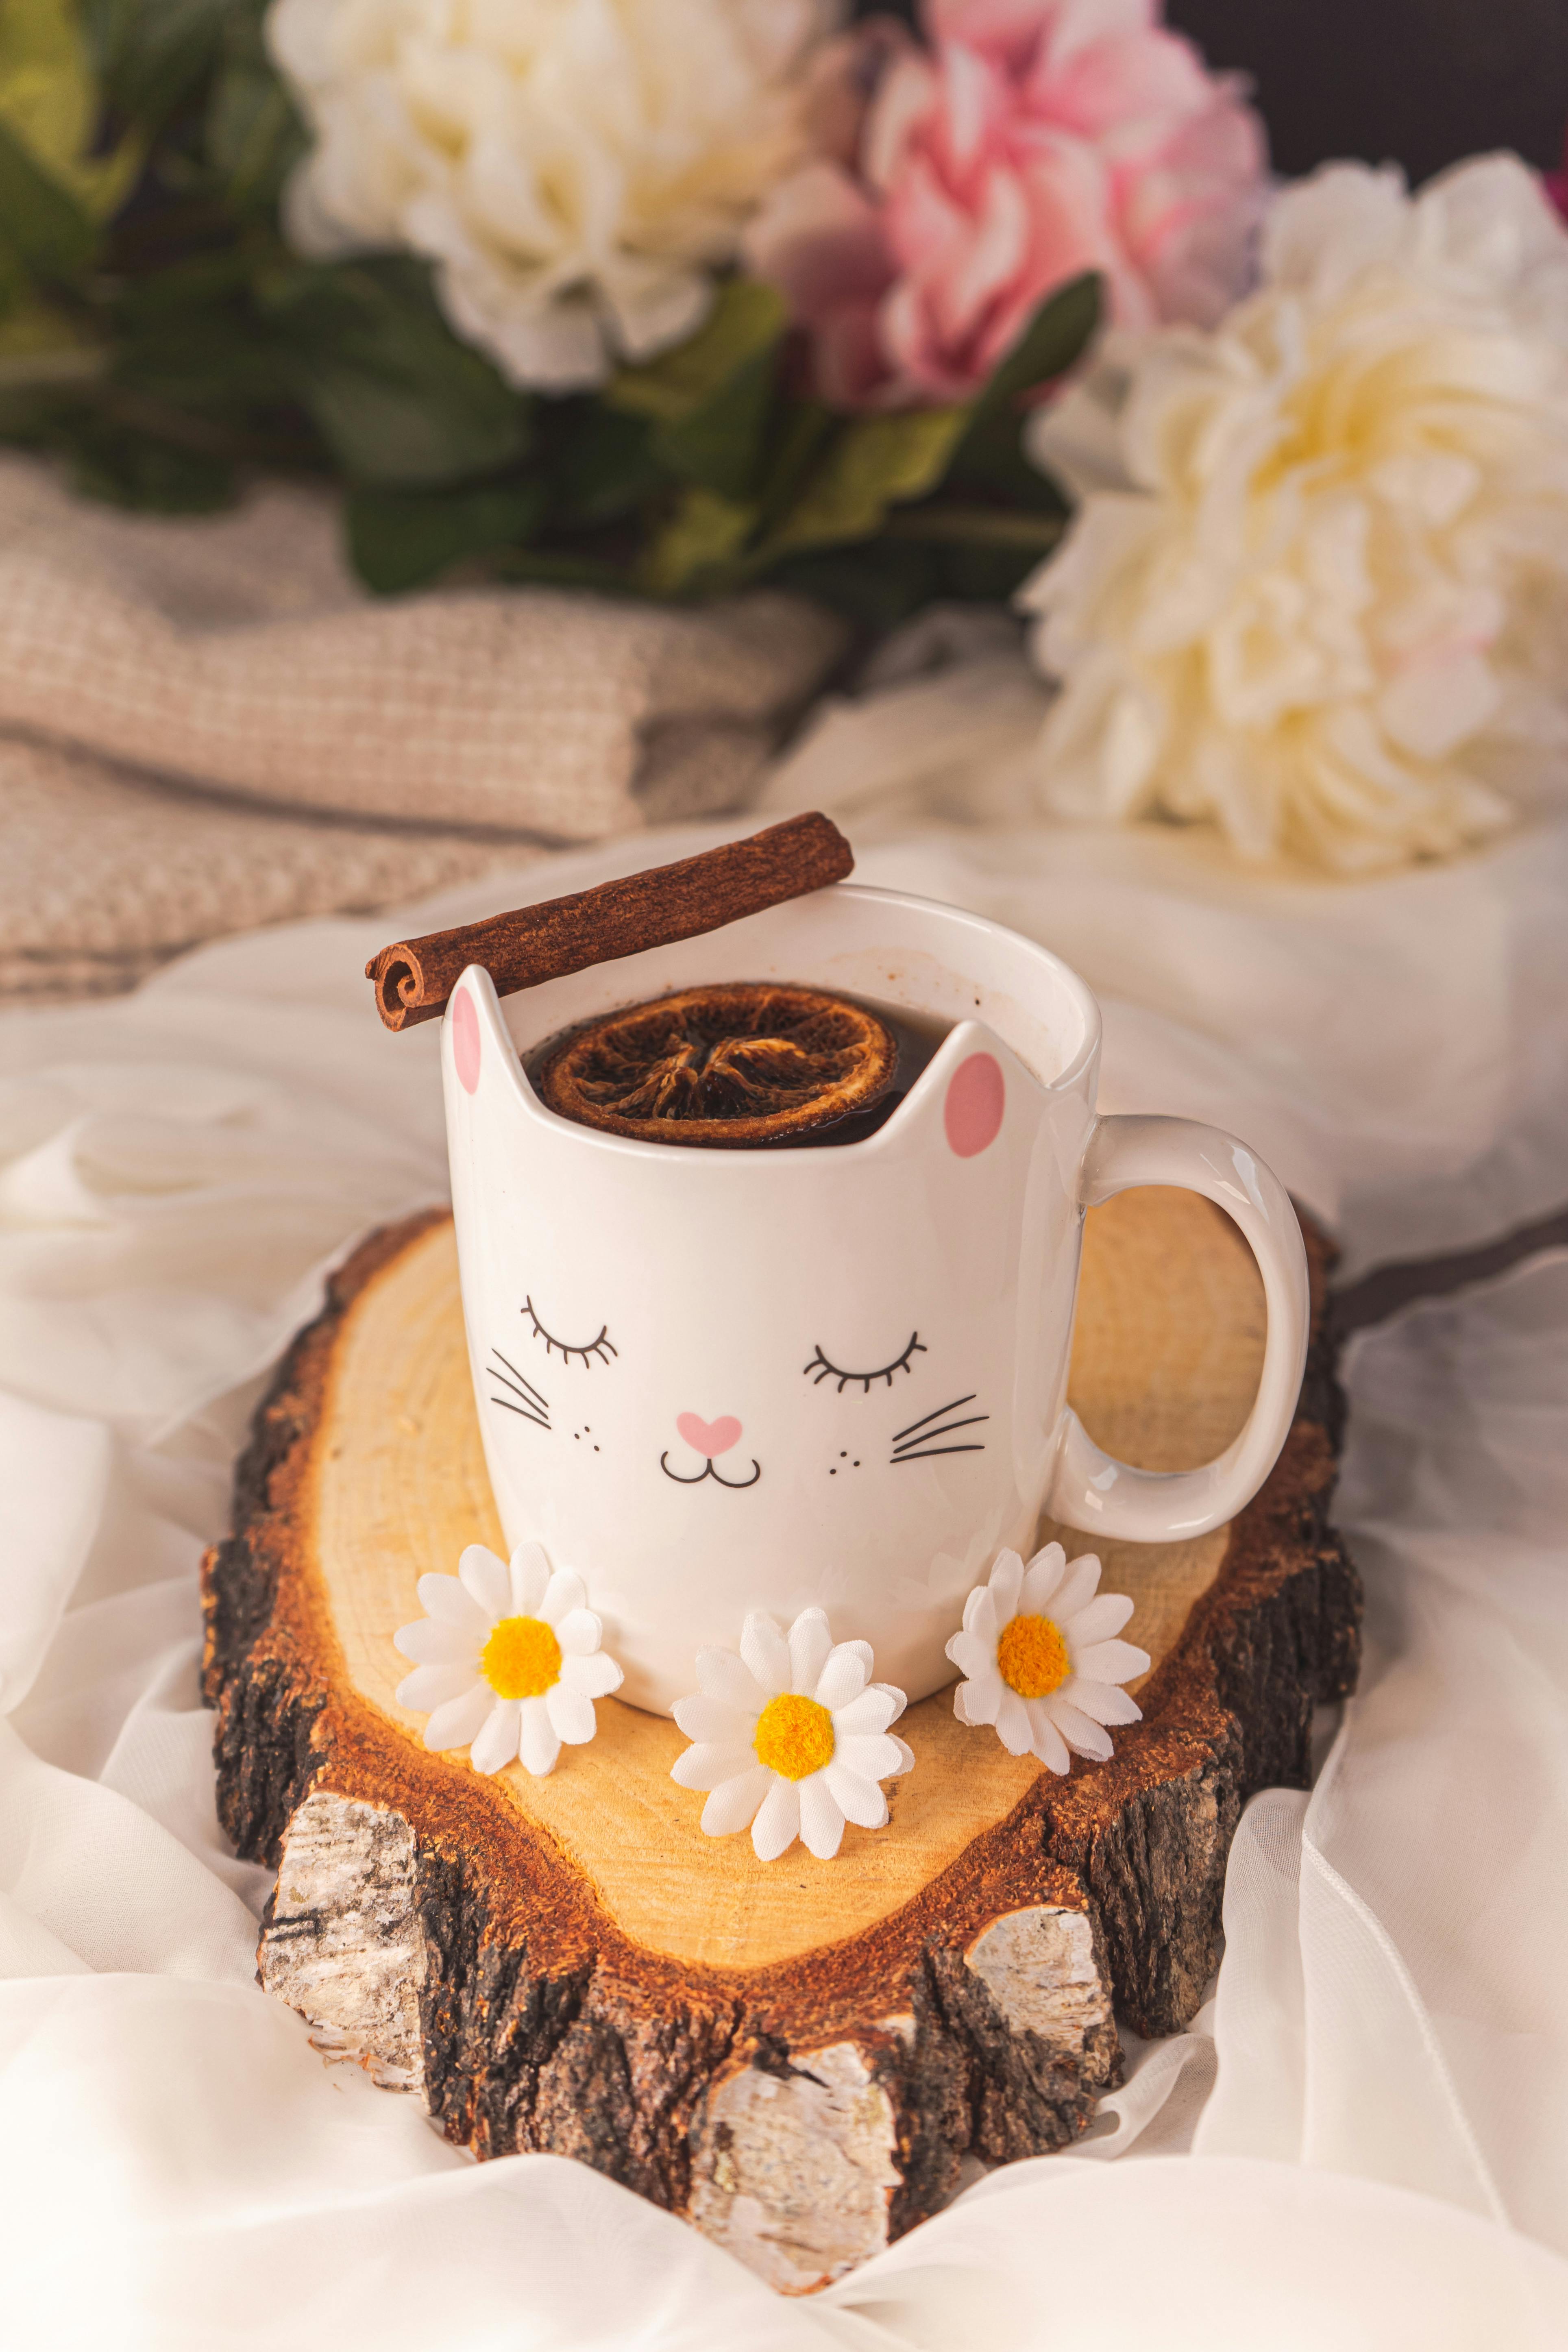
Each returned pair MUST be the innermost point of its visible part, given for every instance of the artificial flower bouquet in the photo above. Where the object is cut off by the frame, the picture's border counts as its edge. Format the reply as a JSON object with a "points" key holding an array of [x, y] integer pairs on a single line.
{"points": [[671, 298], [654, 296]]}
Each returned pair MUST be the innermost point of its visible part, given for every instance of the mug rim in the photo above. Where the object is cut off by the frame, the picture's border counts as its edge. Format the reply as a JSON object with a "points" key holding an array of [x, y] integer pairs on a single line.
{"points": [[1071, 983]]}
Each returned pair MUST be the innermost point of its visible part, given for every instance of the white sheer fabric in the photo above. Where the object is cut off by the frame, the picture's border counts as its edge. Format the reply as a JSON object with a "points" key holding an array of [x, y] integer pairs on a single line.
{"points": [[1362, 2139]]}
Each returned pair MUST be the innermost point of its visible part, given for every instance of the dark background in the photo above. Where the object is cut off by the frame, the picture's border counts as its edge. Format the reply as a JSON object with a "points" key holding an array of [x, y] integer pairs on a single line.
{"points": [[1417, 82]]}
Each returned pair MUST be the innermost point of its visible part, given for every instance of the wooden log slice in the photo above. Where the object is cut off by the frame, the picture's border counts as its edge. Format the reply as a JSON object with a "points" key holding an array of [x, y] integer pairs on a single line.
{"points": [[795, 2055]]}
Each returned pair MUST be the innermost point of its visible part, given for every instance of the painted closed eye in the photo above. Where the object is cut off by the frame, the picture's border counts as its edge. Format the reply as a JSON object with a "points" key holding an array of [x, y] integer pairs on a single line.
{"points": [[820, 1370], [604, 1346]]}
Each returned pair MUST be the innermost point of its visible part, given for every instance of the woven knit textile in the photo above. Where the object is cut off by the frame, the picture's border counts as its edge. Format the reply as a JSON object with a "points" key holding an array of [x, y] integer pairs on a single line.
{"points": [[204, 724]]}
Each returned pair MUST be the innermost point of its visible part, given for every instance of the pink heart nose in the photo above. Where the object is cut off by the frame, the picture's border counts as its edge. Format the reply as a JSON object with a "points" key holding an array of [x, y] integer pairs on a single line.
{"points": [[710, 1437]]}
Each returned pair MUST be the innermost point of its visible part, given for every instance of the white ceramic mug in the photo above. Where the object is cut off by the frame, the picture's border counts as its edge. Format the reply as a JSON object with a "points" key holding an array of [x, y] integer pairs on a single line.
{"points": [[716, 1380]]}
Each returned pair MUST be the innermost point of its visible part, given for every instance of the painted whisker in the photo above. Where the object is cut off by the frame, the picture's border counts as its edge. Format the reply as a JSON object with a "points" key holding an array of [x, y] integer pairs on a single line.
{"points": [[519, 1381], [935, 1451], [970, 1420], [934, 1414]]}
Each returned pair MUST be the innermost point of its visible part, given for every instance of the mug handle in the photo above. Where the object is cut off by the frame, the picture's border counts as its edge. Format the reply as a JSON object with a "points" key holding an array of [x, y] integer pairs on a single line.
{"points": [[1090, 1489]]}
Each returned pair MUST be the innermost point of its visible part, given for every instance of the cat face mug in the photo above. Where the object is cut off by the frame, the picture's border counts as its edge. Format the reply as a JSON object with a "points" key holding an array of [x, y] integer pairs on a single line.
{"points": [[720, 1380]]}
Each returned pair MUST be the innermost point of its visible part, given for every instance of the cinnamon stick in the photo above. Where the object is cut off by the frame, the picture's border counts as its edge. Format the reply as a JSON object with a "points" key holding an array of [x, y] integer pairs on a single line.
{"points": [[414, 978]]}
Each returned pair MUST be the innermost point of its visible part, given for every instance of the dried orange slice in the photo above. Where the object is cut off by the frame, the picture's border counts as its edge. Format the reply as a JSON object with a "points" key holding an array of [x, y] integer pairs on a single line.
{"points": [[736, 1066]]}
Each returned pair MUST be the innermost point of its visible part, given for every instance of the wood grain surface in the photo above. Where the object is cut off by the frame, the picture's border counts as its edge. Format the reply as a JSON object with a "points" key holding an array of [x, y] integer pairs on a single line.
{"points": [[796, 2056]]}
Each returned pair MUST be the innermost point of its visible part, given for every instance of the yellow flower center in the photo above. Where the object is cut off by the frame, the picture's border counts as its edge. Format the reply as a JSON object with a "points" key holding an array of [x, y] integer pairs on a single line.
{"points": [[522, 1659], [1033, 1657], [793, 1737]]}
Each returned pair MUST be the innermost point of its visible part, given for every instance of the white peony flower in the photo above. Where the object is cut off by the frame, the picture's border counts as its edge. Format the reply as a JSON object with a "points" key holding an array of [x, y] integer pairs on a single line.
{"points": [[791, 1736], [508, 1662], [1318, 586], [1049, 1682], [574, 168]]}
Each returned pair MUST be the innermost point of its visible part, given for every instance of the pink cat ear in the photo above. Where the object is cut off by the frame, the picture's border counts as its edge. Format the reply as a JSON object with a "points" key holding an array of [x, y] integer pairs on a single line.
{"points": [[976, 1097], [466, 1039]]}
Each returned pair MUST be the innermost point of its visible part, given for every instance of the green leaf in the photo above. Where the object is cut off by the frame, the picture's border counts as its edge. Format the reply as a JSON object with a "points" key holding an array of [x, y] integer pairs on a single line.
{"points": [[1054, 338], [876, 583], [254, 135], [44, 227], [401, 539], [802, 431], [872, 463], [551, 567], [977, 574], [719, 444], [880, 582], [702, 539], [398, 400], [944, 523], [221, 363], [49, 103], [129, 468], [152, 56], [162, 300], [602, 465], [746, 320], [39, 345]]}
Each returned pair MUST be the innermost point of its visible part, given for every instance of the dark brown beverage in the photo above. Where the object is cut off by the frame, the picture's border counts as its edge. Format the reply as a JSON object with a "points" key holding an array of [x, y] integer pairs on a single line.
{"points": [[742, 1066]]}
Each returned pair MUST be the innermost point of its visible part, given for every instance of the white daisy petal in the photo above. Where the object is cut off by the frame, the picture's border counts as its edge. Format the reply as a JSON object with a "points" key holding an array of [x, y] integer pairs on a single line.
{"points": [[809, 1645], [960, 1707], [980, 1615], [1045, 1739], [706, 1764], [777, 1824], [725, 1676], [1111, 1662], [528, 1579], [1080, 1730], [1006, 1583], [701, 1718], [454, 1724], [766, 1653], [1103, 1701], [892, 1691], [879, 1757], [821, 1817], [448, 1597], [1097, 1620], [859, 1799], [733, 1803], [495, 1743], [906, 1756], [872, 1711], [845, 1676], [578, 1631], [487, 1579], [431, 1644], [1077, 1587], [1013, 1728], [1041, 1577], [982, 1695], [571, 1714], [970, 1654], [430, 1686], [721, 1721], [595, 1677], [565, 1595], [540, 1742]]}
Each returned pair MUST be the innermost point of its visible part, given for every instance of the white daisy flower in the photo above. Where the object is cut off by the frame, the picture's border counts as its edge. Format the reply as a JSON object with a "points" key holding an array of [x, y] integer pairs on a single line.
{"points": [[791, 1736], [1048, 1681], [508, 1661]]}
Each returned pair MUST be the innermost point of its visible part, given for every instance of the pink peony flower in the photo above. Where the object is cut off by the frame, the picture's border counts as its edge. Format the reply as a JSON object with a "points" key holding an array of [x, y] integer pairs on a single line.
{"points": [[953, 188]]}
